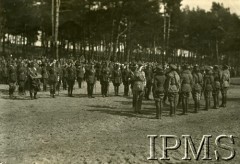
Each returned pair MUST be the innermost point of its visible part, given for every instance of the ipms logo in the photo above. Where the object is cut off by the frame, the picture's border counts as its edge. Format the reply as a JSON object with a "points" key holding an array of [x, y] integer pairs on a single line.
{"points": [[223, 144]]}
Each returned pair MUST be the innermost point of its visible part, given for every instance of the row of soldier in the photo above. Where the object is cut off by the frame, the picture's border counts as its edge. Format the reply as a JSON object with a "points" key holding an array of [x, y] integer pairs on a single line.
{"points": [[165, 82]]}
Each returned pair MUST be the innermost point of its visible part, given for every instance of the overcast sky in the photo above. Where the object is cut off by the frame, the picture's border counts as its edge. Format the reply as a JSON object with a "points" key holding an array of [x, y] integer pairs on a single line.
{"points": [[234, 5]]}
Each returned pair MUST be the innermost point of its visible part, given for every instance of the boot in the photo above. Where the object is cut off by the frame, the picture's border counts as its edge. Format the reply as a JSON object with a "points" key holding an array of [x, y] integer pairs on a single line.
{"points": [[183, 107], [35, 95], [31, 96], [157, 110], [195, 107], [186, 105]]}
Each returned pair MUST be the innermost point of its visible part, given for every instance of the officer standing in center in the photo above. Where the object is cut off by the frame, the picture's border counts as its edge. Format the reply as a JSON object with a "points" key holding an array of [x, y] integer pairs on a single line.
{"points": [[71, 77], [91, 80], [105, 76]]}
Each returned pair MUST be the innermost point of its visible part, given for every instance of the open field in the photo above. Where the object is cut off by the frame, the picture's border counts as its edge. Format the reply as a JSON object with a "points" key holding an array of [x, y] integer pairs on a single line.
{"points": [[102, 130]]}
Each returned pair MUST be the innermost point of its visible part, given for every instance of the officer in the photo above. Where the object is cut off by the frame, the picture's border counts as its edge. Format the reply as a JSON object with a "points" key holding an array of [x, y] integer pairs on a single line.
{"points": [[158, 90], [225, 83], [65, 76], [216, 86], [91, 80], [139, 82], [44, 76], [186, 87], [22, 78], [197, 87], [149, 77], [33, 79], [80, 74], [117, 78], [105, 76], [52, 80], [71, 77], [126, 75], [59, 72], [208, 87], [173, 85], [12, 80]]}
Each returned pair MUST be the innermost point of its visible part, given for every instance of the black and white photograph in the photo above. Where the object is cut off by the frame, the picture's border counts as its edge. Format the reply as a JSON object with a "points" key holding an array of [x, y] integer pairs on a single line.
{"points": [[119, 81]]}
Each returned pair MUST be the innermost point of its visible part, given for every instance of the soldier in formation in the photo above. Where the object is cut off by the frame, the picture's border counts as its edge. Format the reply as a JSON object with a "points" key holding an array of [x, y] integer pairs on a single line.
{"points": [[158, 90], [170, 81]]}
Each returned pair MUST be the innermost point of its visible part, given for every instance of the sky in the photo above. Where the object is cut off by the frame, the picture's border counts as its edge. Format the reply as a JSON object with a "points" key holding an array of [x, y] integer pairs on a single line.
{"points": [[234, 5]]}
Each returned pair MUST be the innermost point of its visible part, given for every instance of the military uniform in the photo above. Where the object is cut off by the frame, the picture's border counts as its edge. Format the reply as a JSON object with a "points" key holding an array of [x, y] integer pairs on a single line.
{"points": [[71, 77], [225, 83], [216, 86], [12, 80], [80, 75], [117, 79], [149, 77], [91, 79], [208, 87], [22, 78], [104, 80], [44, 77], [59, 72], [52, 81], [33, 79], [138, 89], [173, 84], [158, 90], [197, 88], [64, 77], [186, 88], [126, 75]]}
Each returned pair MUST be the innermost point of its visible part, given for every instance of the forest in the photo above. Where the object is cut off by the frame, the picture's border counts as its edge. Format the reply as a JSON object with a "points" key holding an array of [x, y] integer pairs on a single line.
{"points": [[120, 30]]}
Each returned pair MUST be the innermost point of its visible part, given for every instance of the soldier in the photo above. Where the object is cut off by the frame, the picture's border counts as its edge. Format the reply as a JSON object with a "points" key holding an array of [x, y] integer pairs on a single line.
{"points": [[216, 86], [208, 87], [158, 90], [12, 80], [80, 74], [149, 76], [22, 78], [64, 76], [44, 76], [59, 72], [197, 87], [33, 78], [173, 84], [117, 78], [91, 79], [186, 83], [104, 79], [52, 79], [126, 74], [139, 82], [5, 73], [225, 83], [71, 77]]}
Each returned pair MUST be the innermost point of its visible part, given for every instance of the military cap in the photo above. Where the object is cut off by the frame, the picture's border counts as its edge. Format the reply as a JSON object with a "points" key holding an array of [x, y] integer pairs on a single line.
{"points": [[225, 66], [140, 63], [215, 67], [172, 66], [185, 66]]}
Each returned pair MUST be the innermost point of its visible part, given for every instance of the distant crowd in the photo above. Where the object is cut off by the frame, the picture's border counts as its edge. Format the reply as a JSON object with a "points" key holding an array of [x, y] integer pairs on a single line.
{"points": [[175, 83]]}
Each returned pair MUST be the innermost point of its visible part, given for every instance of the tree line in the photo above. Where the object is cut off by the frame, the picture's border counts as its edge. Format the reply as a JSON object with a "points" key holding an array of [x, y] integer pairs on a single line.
{"points": [[121, 30]]}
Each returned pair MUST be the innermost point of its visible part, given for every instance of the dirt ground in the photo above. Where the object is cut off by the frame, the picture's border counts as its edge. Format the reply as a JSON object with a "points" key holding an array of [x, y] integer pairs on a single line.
{"points": [[103, 130]]}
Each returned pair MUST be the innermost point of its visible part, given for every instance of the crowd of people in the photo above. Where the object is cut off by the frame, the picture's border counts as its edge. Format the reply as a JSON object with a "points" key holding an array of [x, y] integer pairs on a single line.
{"points": [[170, 82]]}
